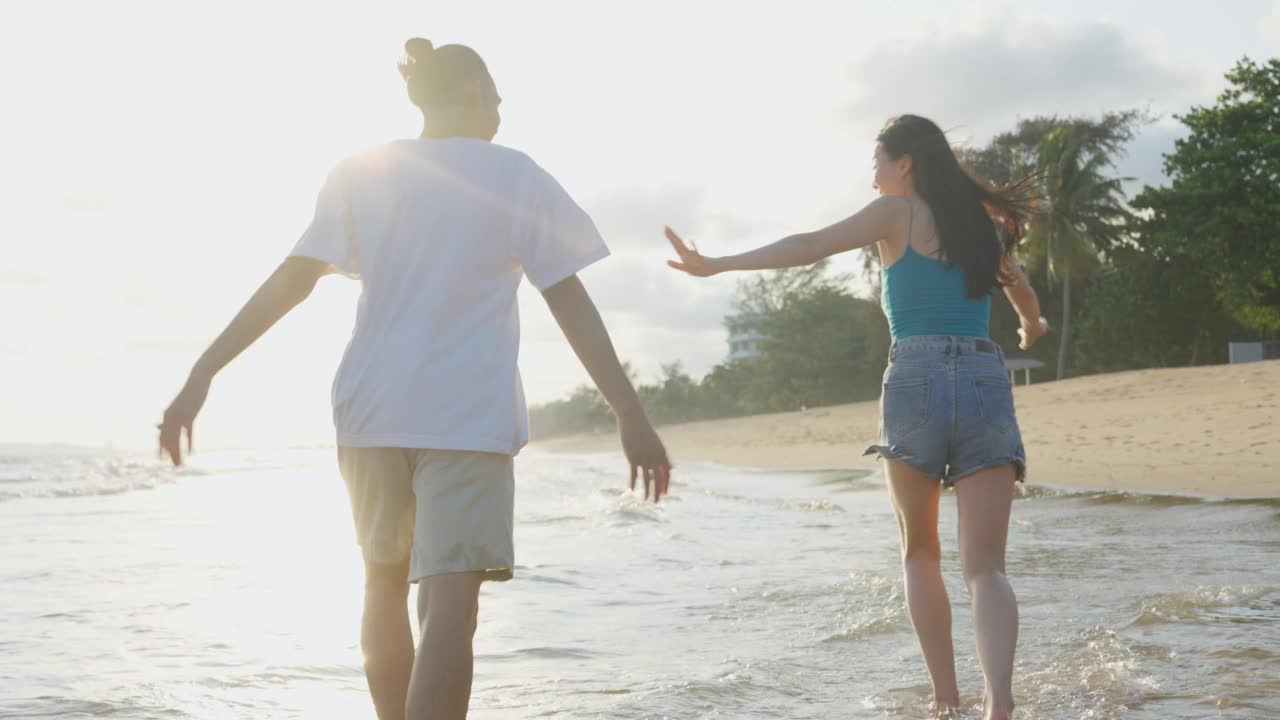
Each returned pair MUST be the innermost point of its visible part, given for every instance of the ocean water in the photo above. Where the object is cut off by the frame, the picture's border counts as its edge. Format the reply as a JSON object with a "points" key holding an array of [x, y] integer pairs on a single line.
{"points": [[231, 589]]}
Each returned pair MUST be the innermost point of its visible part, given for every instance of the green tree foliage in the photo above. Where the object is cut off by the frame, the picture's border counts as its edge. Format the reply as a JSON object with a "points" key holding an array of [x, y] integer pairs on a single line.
{"points": [[1149, 309], [1083, 214], [1070, 153], [1223, 206], [823, 347], [1015, 154], [764, 293]]}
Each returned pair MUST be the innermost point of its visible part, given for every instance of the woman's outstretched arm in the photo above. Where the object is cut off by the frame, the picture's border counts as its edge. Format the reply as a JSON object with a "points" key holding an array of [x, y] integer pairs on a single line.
{"points": [[870, 224]]}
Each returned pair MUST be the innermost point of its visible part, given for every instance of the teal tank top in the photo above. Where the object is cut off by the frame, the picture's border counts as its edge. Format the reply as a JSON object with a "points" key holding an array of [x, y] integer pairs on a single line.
{"points": [[924, 296]]}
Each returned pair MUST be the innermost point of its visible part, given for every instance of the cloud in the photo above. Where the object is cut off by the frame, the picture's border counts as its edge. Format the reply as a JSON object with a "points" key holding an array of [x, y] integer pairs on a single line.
{"points": [[643, 288], [166, 344], [1270, 26], [19, 278], [1144, 157], [632, 217], [88, 202], [978, 80]]}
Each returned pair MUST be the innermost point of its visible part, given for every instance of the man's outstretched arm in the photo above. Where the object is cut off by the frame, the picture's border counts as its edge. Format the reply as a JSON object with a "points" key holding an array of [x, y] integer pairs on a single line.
{"points": [[288, 286]]}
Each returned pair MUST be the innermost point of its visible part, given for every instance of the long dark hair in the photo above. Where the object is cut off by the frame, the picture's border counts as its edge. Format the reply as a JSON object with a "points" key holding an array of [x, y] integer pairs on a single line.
{"points": [[979, 225], [435, 75]]}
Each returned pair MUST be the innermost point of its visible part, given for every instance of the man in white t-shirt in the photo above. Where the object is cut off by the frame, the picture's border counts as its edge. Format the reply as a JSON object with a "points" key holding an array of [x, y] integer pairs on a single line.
{"points": [[428, 403]]}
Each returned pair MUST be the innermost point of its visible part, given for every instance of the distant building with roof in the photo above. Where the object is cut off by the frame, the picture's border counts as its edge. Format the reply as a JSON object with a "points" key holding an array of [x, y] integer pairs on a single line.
{"points": [[745, 337]]}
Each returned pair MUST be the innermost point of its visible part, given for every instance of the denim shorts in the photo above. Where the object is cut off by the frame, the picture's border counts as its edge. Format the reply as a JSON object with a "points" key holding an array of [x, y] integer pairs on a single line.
{"points": [[947, 408]]}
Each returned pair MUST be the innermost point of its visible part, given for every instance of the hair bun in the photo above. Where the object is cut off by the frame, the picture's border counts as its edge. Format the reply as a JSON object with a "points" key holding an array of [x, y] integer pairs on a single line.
{"points": [[418, 48]]}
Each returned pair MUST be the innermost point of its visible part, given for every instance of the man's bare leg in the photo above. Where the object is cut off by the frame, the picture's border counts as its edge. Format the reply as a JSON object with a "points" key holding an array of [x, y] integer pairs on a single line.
{"points": [[448, 606], [386, 637]]}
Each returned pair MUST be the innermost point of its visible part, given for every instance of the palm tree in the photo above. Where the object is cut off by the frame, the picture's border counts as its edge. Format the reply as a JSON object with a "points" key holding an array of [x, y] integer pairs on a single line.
{"points": [[1083, 214]]}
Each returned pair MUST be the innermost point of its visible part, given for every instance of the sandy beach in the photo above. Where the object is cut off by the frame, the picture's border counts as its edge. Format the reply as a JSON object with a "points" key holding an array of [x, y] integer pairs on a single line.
{"points": [[1209, 431]]}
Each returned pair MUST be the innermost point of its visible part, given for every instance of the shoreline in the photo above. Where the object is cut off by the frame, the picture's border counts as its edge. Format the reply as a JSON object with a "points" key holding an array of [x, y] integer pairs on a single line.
{"points": [[1210, 431]]}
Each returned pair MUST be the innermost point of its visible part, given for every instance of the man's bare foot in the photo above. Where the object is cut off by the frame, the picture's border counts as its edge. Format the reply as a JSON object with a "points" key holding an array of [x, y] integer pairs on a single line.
{"points": [[993, 714], [944, 711]]}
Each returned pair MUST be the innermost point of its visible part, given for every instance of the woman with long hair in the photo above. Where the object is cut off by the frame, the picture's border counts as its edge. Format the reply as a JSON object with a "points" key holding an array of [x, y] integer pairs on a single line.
{"points": [[946, 239]]}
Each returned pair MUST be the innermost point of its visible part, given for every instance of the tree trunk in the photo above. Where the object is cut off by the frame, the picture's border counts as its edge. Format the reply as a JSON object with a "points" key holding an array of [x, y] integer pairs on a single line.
{"points": [[1066, 321]]}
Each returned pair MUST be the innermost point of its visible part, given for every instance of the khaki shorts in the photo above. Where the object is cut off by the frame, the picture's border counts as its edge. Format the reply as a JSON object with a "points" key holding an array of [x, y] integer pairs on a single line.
{"points": [[445, 511]]}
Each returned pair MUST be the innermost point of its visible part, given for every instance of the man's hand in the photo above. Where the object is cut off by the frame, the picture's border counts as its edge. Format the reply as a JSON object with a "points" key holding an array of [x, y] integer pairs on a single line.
{"points": [[181, 415], [646, 455], [585, 331]]}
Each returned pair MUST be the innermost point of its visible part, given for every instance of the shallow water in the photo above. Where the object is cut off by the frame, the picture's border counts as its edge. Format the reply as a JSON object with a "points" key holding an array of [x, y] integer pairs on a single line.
{"points": [[232, 589]]}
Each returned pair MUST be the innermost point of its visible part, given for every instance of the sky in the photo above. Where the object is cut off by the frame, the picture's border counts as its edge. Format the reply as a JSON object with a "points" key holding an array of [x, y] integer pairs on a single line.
{"points": [[160, 158]]}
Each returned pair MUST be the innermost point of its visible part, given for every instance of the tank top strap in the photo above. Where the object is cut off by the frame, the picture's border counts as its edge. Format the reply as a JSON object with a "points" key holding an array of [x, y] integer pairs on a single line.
{"points": [[911, 216]]}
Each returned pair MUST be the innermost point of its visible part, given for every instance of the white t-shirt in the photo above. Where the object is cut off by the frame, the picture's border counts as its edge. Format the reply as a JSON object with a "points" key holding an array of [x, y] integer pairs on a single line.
{"points": [[440, 233]]}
